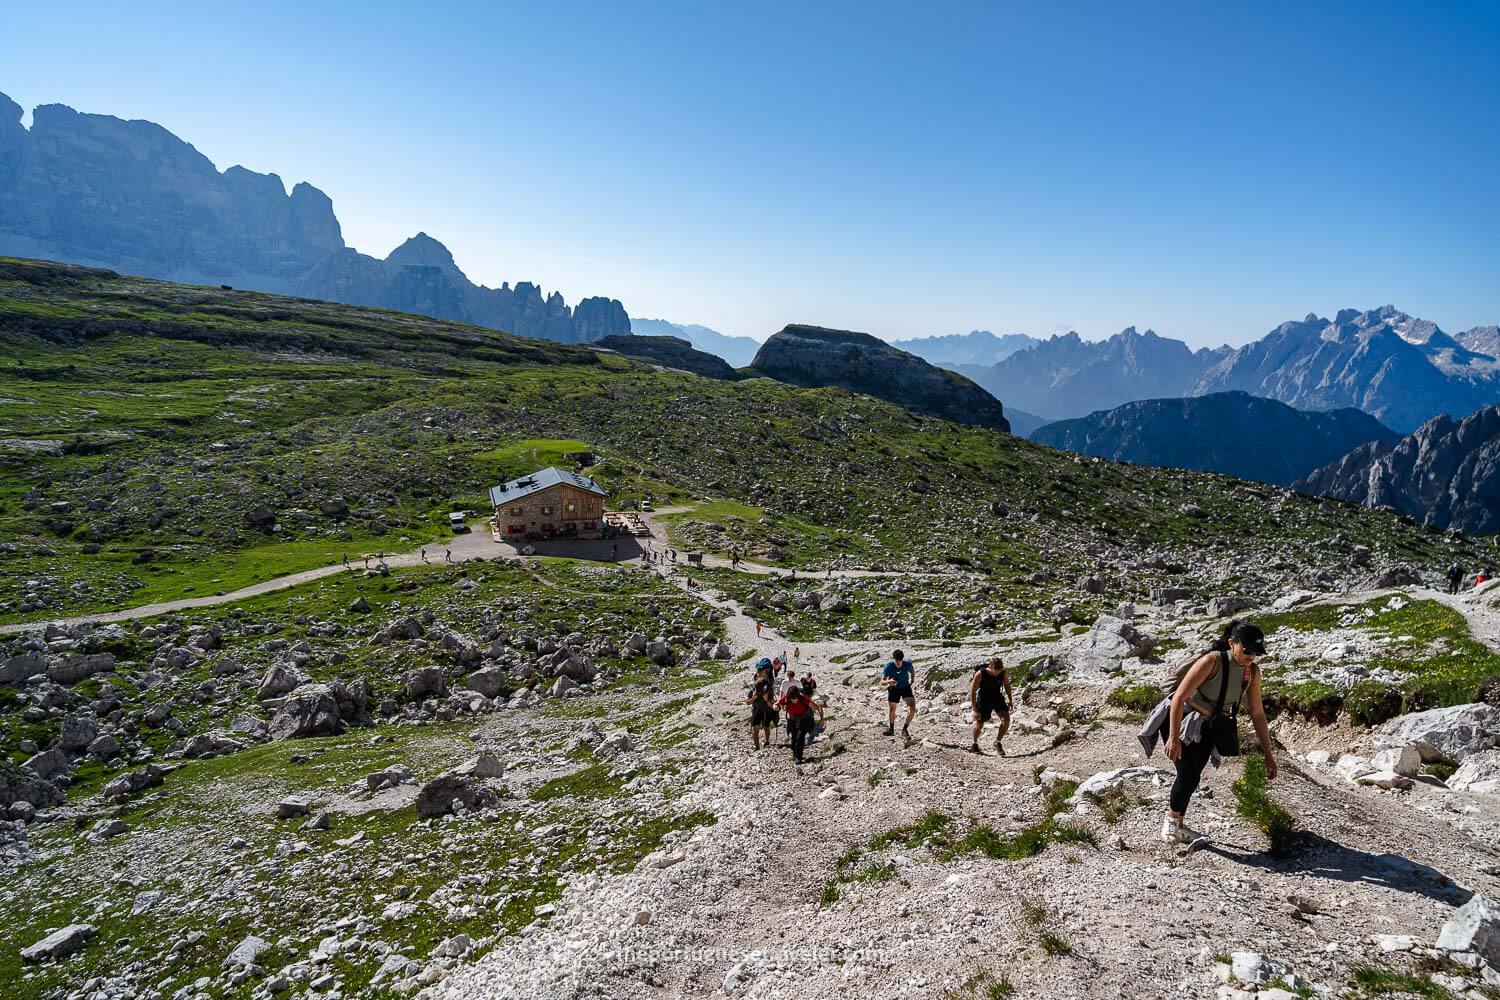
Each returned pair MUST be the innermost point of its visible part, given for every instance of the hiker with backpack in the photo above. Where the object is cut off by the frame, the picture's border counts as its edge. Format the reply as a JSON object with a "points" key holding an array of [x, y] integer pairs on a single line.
{"points": [[897, 678], [990, 694], [1199, 717], [1455, 578], [762, 704], [810, 687], [799, 707]]}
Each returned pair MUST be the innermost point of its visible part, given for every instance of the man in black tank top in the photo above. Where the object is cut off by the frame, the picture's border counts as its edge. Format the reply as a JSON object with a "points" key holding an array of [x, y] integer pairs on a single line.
{"points": [[990, 694]]}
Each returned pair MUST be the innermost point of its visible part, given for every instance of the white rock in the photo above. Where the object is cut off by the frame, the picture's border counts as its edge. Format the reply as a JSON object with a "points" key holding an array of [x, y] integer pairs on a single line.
{"points": [[1253, 967], [1102, 782], [1402, 760], [485, 765], [1397, 942], [247, 951], [1451, 733], [1319, 758], [60, 943], [1351, 766], [1475, 927], [1479, 772], [1385, 779]]}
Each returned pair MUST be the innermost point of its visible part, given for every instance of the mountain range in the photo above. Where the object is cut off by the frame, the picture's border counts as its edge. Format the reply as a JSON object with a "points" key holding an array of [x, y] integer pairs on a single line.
{"points": [[738, 351], [977, 347], [1445, 474], [132, 197], [1228, 432], [1395, 367]]}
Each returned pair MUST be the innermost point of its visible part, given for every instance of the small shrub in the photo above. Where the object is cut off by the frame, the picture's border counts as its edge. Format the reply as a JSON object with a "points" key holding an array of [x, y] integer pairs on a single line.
{"points": [[1253, 801]]}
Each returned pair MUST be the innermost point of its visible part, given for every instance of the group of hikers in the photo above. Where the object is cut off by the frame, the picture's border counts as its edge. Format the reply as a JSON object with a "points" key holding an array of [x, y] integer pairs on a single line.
{"points": [[777, 688], [1456, 577], [1197, 719]]}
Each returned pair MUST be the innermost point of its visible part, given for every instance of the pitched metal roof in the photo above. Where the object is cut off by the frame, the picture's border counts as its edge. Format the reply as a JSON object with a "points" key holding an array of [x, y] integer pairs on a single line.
{"points": [[545, 479]]}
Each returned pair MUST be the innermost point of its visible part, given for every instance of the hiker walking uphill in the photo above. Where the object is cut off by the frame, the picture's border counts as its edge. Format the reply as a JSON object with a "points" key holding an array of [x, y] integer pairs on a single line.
{"points": [[990, 694], [762, 705], [1199, 717], [897, 678], [799, 717], [1455, 578]]}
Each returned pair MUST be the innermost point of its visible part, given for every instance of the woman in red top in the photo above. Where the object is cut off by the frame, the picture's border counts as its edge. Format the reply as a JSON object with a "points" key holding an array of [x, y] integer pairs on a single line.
{"points": [[799, 717]]}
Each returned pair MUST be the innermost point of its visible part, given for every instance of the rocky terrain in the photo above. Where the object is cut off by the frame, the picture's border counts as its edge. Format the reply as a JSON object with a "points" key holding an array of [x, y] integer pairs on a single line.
{"points": [[738, 351], [531, 776], [671, 352], [133, 197], [1444, 474], [1229, 432], [813, 356]]}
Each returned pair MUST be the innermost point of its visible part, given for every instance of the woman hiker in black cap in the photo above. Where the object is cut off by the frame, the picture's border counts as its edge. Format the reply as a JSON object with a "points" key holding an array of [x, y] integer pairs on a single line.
{"points": [[1213, 687]]}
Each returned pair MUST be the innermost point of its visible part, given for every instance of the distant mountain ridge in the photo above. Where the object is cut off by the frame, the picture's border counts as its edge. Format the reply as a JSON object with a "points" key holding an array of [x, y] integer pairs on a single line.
{"points": [[1395, 367], [1067, 376], [132, 197], [1229, 432], [815, 356], [977, 347], [738, 351], [1445, 474]]}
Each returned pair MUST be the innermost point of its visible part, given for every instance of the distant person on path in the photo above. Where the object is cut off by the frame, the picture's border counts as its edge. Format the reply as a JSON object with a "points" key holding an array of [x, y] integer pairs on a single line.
{"points": [[1481, 577], [757, 630], [614, 552], [1211, 690], [799, 717], [423, 553], [897, 678], [346, 560], [367, 560], [447, 555], [990, 694], [1455, 578], [762, 707]]}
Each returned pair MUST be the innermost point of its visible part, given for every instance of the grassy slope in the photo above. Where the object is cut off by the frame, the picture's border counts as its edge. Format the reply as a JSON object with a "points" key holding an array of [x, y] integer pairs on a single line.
{"points": [[182, 409]]}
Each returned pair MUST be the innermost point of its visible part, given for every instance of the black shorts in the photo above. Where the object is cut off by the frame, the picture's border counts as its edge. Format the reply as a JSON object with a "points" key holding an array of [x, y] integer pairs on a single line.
{"points": [[760, 716], [988, 708], [895, 694]]}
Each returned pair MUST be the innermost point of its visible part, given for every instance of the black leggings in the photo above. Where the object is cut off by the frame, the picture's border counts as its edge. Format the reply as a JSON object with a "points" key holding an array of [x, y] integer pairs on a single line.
{"points": [[1190, 771], [800, 725]]}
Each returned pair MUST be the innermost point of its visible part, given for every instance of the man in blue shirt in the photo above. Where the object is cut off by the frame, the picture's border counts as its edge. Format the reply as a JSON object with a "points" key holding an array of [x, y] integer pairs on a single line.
{"points": [[897, 678]]}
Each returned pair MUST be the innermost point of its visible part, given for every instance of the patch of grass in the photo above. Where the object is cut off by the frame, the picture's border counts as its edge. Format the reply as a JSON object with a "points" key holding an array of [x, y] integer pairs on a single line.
{"points": [[1375, 981], [932, 824], [1253, 801], [1135, 697], [1054, 944], [597, 781]]}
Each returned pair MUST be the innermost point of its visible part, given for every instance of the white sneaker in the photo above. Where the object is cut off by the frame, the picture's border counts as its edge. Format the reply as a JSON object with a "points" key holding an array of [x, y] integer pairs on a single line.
{"points": [[1176, 832]]}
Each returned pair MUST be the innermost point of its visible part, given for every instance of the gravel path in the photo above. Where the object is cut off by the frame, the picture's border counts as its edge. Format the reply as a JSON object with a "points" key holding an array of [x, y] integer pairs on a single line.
{"points": [[735, 908]]}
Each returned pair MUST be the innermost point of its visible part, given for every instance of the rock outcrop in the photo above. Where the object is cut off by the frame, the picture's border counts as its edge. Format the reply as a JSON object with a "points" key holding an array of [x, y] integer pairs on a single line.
{"points": [[133, 197], [671, 352], [1230, 432], [814, 356], [1446, 474]]}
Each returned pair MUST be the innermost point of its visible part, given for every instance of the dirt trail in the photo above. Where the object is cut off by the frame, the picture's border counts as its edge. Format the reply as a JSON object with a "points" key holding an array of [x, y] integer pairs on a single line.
{"points": [[734, 910], [477, 543]]}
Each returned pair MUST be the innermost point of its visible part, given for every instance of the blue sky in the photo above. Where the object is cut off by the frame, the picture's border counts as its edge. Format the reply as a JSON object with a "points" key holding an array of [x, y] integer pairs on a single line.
{"points": [[1206, 170]]}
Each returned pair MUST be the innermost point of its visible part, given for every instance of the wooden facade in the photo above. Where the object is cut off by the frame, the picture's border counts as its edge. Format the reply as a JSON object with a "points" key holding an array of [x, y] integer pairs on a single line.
{"points": [[549, 504]]}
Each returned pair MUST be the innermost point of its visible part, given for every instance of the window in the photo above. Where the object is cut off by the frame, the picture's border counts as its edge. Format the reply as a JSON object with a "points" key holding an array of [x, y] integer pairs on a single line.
{"points": [[546, 510], [518, 512], [572, 507]]}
